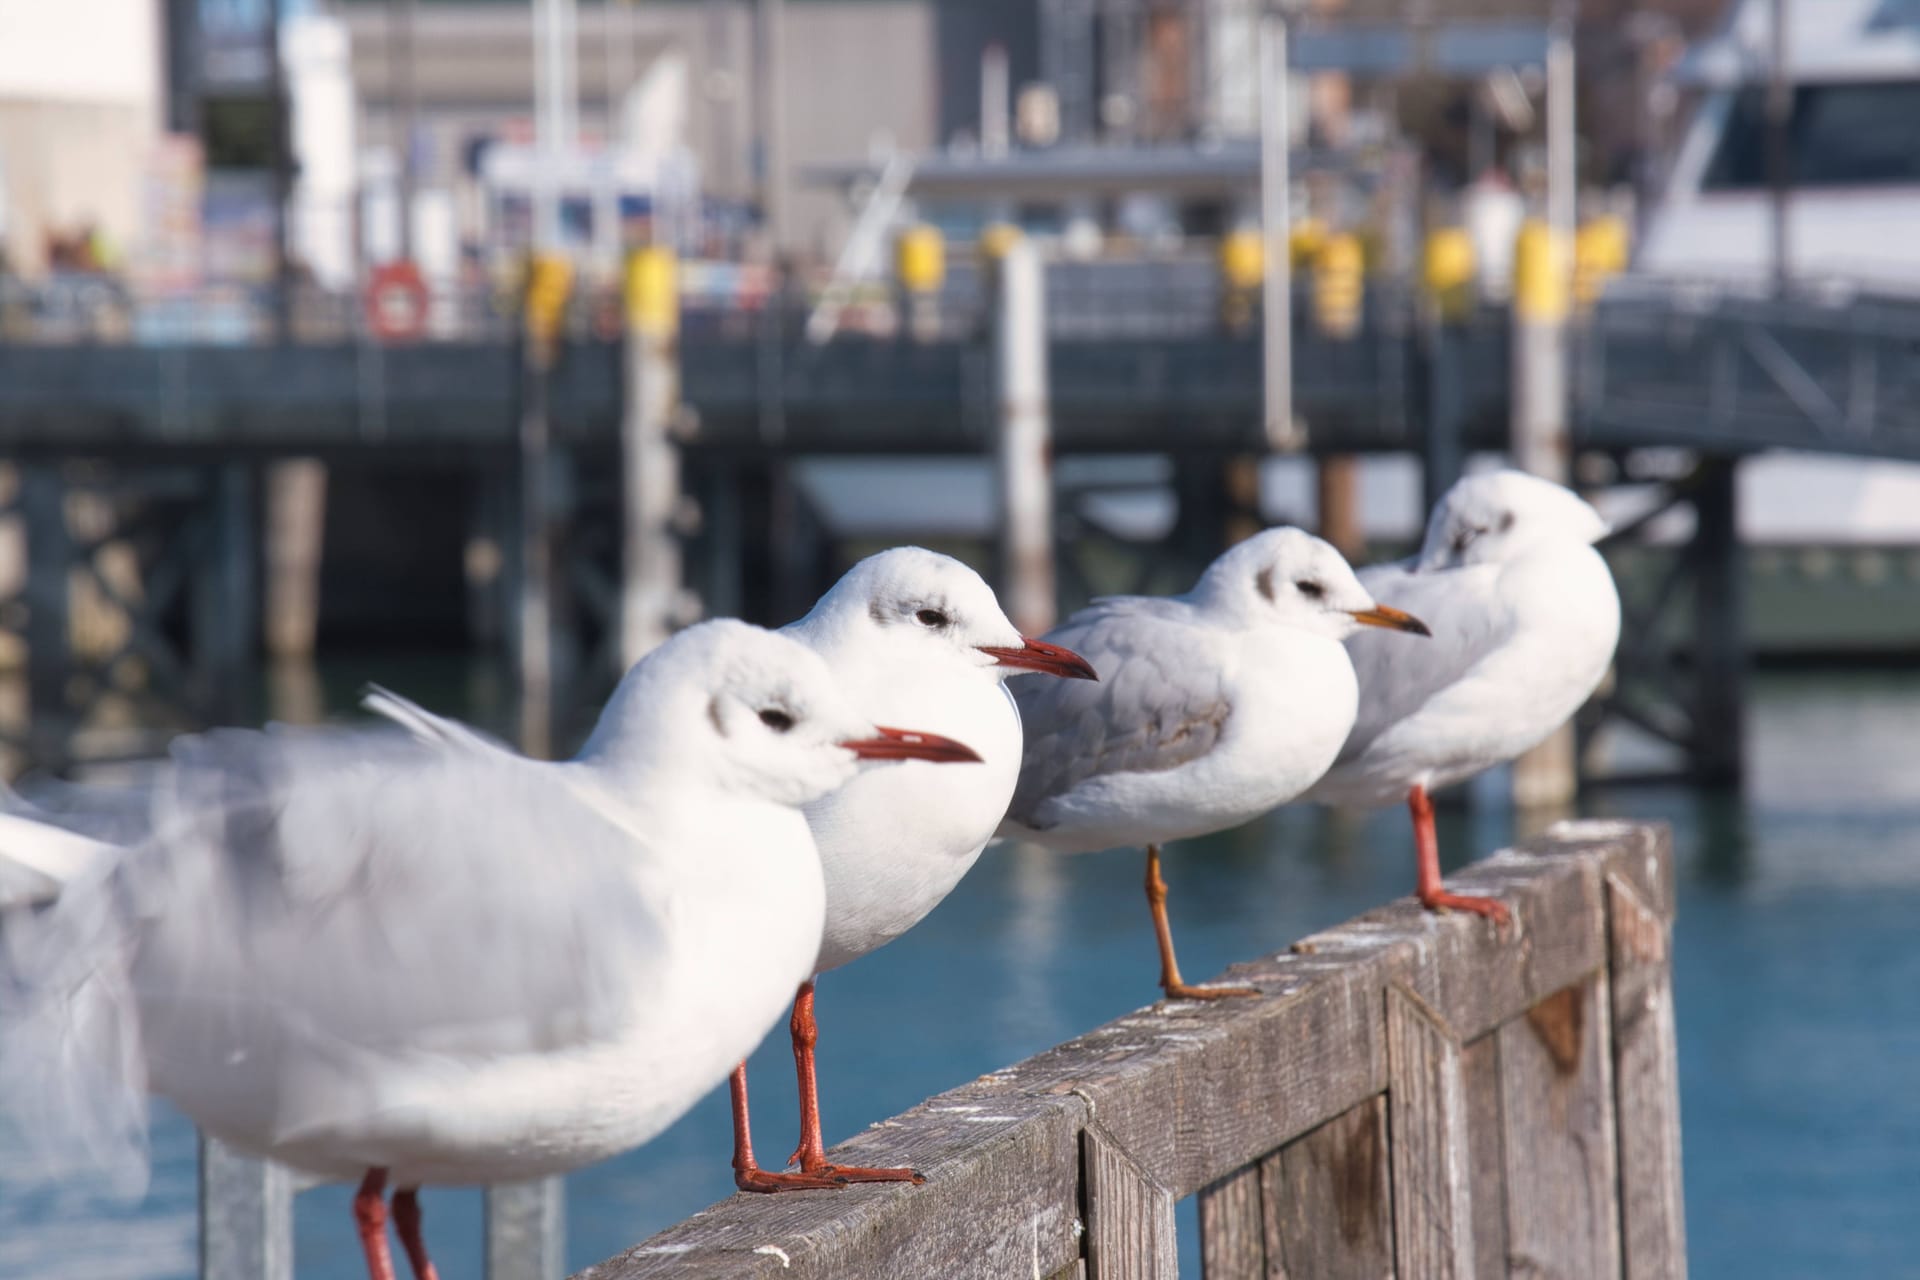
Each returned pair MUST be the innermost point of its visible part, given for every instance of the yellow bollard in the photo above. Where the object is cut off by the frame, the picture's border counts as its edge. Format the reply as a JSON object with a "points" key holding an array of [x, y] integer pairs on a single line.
{"points": [[920, 259], [1243, 259], [653, 291], [1446, 272], [996, 238], [1539, 274], [1599, 254], [1339, 285], [549, 283], [1305, 241]]}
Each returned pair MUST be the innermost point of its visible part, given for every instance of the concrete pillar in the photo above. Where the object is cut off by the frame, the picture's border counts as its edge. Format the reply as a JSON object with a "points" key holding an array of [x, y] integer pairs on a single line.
{"points": [[1023, 438], [296, 522], [650, 588]]}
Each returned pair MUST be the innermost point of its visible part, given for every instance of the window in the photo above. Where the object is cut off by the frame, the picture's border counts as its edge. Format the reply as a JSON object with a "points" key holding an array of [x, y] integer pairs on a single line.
{"points": [[1840, 135]]}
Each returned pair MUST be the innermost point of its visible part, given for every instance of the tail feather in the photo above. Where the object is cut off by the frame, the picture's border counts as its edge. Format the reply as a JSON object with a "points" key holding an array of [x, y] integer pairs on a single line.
{"points": [[72, 1071]]}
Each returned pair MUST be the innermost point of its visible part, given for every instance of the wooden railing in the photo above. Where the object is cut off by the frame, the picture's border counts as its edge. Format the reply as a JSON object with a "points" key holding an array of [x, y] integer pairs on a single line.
{"points": [[1414, 1096]]}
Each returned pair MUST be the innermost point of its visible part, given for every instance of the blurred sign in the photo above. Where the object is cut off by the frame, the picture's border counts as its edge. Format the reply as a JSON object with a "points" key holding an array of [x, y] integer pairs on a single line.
{"points": [[396, 302], [166, 259]]}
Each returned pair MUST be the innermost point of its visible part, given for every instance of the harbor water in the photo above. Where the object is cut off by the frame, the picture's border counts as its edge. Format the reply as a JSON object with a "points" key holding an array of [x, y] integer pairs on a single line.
{"points": [[1796, 969]]}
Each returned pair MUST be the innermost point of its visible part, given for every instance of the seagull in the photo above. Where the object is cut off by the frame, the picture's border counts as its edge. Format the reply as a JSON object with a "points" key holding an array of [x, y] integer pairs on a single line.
{"points": [[1525, 620], [412, 956], [914, 637], [1212, 708]]}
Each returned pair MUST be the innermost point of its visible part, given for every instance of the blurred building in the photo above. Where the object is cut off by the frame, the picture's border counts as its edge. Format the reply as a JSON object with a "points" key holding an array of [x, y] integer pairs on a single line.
{"points": [[80, 108]]}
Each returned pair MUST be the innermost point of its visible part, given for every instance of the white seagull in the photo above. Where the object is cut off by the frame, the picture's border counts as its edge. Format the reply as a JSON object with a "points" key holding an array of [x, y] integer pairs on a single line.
{"points": [[1212, 708], [912, 637], [416, 958], [1525, 619]]}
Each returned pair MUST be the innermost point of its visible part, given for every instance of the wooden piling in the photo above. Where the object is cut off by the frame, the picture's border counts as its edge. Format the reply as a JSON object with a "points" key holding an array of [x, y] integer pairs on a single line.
{"points": [[1023, 445], [295, 528]]}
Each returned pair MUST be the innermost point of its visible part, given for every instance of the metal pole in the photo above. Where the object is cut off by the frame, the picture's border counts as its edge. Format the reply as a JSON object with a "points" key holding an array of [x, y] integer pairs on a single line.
{"points": [[1276, 219], [246, 1216], [1023, 438], [555, 125], [995, 101], [650, 564], [1779, 124], [526, 1230], [282, 179], [769, 50], [1562, 175], [405, 111]]}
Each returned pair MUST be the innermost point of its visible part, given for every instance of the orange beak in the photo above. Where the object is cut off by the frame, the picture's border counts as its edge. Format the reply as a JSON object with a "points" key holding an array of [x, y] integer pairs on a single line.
{"points": [[1038, 655], [1381, 616], [906, 744]]}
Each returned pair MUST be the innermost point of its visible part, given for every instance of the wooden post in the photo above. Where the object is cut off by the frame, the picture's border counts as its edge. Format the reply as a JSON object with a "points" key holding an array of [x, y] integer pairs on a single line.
{"points": [[526, 1230], [1547, 776], [650, 562], [1339, 486], [1130, 1231], [246, 1216], [1719, 625], [48, 593], [296, 519], [225, 608], [1023, 464]]}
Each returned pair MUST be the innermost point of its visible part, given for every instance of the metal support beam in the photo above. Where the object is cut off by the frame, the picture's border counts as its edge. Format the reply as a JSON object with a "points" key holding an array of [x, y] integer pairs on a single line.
{"points": [[1276, 220], [1023, 433]]}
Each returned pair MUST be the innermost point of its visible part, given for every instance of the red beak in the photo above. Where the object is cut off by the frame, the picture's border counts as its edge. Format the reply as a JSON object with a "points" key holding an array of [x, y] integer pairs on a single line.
{"points": [[1038, 655], [906, 744]]}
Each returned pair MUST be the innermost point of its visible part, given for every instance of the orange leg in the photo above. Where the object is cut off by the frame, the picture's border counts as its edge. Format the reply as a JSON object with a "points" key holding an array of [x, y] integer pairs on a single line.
{"points": [[811, 1155], [1170, 981], [747, 1175], [370, 1214], [406, 1221], [1427, 845]]}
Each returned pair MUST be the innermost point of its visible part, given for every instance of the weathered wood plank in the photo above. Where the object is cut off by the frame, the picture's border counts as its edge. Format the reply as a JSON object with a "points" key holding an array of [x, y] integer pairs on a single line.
{"points": [[1130, 1228], [1328, 1200], [1432, 1203], [1193, 1092], [1646, 1088], [1556, 1102], [1486, 1156], [1232, 1230], [1002, 1198]]}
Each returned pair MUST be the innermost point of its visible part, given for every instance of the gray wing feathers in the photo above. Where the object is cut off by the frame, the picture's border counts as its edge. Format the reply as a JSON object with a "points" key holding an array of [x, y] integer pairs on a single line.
{"points": [[1160, 703], [1398, 676]]}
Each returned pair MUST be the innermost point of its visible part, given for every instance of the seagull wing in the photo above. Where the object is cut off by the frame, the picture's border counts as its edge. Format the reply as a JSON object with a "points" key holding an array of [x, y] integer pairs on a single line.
{"points": [[1399, 676], [1162, 700]]}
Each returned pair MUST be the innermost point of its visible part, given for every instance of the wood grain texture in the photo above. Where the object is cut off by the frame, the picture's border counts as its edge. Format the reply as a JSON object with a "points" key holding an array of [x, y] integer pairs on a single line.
{"points": [[1232, 1230], [1556, 1102], [1646, 1087], [1002, 1198], [1190, 1095], [1130, 1228], [1329, 1203], [1486, 1156], [1432, 1201]]}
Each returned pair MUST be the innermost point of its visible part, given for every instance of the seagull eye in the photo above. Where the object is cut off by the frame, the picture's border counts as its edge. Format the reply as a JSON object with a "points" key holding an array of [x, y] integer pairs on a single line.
{"points": [[776, 720], [1310, 589], [932, 618]]}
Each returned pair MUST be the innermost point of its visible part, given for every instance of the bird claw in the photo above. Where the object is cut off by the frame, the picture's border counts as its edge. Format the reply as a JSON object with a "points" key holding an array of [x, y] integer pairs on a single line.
{"points": [[766, 1183], [1492, 908], [1183, 991]]}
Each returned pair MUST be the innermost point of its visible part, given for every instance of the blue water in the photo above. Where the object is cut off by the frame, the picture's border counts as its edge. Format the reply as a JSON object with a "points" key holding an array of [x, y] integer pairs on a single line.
{"points": [[1797, 984]]}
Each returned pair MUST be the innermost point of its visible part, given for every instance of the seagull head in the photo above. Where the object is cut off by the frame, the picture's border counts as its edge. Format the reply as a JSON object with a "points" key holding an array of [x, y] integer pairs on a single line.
{"points": [[1503, 515], [936, 608], [752, 712], [1290, 577]]}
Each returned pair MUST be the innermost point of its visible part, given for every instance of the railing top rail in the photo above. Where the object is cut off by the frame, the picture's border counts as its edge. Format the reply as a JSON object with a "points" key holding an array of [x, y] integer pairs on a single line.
{"points": [[1184, 1094]]}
